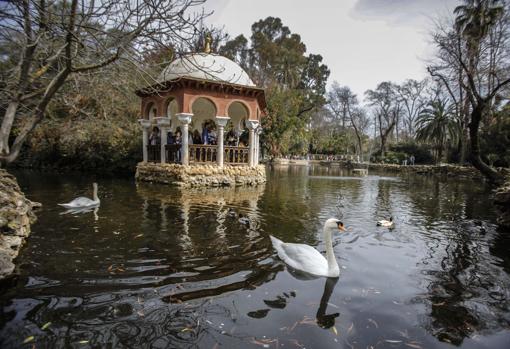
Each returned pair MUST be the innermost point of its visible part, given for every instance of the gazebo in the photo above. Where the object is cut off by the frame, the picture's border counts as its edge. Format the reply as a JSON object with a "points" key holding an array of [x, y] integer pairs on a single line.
{"points": [[203, 110]]}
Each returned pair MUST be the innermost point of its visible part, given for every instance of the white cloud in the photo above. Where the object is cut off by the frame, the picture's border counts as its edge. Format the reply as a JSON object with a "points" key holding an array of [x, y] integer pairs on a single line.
{"points": [[363, 42]]}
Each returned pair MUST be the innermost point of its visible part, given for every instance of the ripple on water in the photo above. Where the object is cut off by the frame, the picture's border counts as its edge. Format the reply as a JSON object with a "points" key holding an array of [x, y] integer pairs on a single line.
{"points": [[163, 267]]}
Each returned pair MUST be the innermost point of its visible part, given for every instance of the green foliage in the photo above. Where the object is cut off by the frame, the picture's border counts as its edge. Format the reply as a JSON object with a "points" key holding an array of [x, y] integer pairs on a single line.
{"points": [[495, 140], [437, 124], [295, 82], [86, 144], [421, 152]]}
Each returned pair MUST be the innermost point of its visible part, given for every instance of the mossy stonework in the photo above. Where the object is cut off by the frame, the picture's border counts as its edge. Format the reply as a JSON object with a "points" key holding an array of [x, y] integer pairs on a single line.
{"points": [[201, 175], [16, 215], [502, 200]]}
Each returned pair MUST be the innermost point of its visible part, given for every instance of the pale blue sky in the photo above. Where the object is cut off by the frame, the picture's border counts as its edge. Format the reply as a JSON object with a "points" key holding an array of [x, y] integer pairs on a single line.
{"points": [[363, 42]]}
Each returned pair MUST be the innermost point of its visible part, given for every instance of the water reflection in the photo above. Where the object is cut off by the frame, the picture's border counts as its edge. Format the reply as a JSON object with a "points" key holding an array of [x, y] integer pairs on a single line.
{"points": [[168, 267], [82, 210]]}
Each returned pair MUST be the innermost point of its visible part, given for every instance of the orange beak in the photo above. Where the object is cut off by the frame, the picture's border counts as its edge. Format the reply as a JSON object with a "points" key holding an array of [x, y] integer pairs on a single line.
{"points": [[341, 228]]}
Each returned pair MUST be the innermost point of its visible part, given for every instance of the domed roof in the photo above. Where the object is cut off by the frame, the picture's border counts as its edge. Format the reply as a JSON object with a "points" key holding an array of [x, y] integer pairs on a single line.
{"points": [[206, 66]]}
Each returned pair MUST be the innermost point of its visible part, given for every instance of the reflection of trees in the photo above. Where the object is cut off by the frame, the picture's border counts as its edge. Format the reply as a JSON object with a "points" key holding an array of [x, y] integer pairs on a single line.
{"points": [[115, 321], [451, 320], [465, 289]]}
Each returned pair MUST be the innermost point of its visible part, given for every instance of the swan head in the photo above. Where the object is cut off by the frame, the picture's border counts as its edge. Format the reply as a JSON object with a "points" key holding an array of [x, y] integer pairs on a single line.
{"points": [[334, 224]]}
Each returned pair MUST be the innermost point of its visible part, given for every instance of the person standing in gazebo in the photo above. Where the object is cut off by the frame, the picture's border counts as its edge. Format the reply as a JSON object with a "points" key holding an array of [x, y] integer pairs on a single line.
{"points": [[205, 133]]}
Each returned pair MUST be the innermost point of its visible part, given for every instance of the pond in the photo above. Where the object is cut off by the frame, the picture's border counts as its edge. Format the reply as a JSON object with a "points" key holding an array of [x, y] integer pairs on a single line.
{"points": [[161, 267]]}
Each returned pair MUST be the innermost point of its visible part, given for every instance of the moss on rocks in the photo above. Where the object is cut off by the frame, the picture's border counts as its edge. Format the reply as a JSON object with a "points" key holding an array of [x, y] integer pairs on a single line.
{"points": [[16, 215], [201, 175], [502, 200]]}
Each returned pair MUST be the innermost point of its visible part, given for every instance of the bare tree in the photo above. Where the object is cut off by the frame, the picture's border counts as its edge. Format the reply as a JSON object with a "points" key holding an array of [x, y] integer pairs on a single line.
{"points": [[474, 53], [387, 108], [359, 122], [49, 41], [412, 95], [339, 98]]}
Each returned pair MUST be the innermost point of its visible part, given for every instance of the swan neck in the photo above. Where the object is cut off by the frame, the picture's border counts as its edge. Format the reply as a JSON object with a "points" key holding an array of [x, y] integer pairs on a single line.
{"points": [[330, 254], [95, 194]]}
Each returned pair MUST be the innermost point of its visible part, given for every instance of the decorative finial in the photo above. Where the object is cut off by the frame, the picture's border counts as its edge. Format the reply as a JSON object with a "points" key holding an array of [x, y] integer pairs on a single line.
{"points": [[208, 41]]}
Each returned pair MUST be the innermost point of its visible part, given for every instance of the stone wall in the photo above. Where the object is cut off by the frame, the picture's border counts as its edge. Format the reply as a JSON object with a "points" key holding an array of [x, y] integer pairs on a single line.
{"points": [[201, 175], [447, 170], [16, 215]]}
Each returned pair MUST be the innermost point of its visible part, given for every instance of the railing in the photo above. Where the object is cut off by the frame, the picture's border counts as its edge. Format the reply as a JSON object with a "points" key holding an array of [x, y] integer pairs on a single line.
{"points": [[236, 155], [200, 153], [173, 153], [154, 153]]}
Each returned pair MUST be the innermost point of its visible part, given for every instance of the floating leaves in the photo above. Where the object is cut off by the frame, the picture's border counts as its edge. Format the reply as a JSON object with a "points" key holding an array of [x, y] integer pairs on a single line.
{"points": [[264, 342], [28, 339], [46, 325], [116, 268]]}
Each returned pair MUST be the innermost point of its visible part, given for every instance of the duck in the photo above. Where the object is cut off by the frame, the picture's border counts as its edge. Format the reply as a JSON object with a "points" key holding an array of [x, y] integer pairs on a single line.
{"points": [[305, 258], [385, 223], [83, 202]]}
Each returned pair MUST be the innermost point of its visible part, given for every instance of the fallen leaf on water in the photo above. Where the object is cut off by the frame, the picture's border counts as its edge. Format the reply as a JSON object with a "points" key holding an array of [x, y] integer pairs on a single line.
{"points": [[46, 325], [412, 345], [186, 329], [296, 343], [350, 328], [83, 342], [138, 236], [438, 304], [110, 268], [393, 341], [373, 322], [334, 330], [263, 342], [28, 339]]}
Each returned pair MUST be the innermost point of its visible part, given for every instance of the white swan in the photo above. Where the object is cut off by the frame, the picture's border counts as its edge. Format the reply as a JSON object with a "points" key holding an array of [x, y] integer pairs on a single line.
{"points": [[385, 223], [308, 259], [83, 202]]}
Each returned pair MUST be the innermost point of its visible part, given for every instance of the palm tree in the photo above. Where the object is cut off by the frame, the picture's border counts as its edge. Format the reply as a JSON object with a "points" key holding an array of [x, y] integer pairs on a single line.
{"points": [[474, 22], [437, 124], [476, 17]]}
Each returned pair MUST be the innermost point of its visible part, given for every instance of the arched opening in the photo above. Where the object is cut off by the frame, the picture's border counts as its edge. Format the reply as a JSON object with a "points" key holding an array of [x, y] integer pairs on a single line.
{"points": [[236, 132], [172, 109], [151, 111], [203, 126]]}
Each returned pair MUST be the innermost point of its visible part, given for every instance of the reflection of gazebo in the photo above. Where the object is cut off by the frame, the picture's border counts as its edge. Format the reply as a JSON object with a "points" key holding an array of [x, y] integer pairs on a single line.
{"points": [[199, 91]]}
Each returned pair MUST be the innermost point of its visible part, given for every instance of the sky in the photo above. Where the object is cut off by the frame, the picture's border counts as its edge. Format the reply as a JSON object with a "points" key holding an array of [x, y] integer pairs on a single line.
{"points": [[363, 42]]}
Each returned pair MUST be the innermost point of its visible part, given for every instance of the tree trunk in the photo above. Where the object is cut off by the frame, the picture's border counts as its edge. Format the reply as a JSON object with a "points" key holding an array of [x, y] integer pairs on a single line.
{"points": [[491, 174], [7, 123]]}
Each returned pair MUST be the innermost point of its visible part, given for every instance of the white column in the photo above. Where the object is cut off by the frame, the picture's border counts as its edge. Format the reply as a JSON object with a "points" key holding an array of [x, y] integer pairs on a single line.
{"points": [[221, 122], [252, 125], [163, 124], [185, 119], [146, 124], [257, 146]]}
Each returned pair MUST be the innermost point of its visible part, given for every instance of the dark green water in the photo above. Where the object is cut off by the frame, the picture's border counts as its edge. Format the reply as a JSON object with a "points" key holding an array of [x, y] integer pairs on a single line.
{"points": [[159, 267]]}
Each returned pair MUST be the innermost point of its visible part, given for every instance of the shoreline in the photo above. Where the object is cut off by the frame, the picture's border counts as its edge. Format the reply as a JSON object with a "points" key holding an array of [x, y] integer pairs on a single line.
{"points": [[16, 217]]}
